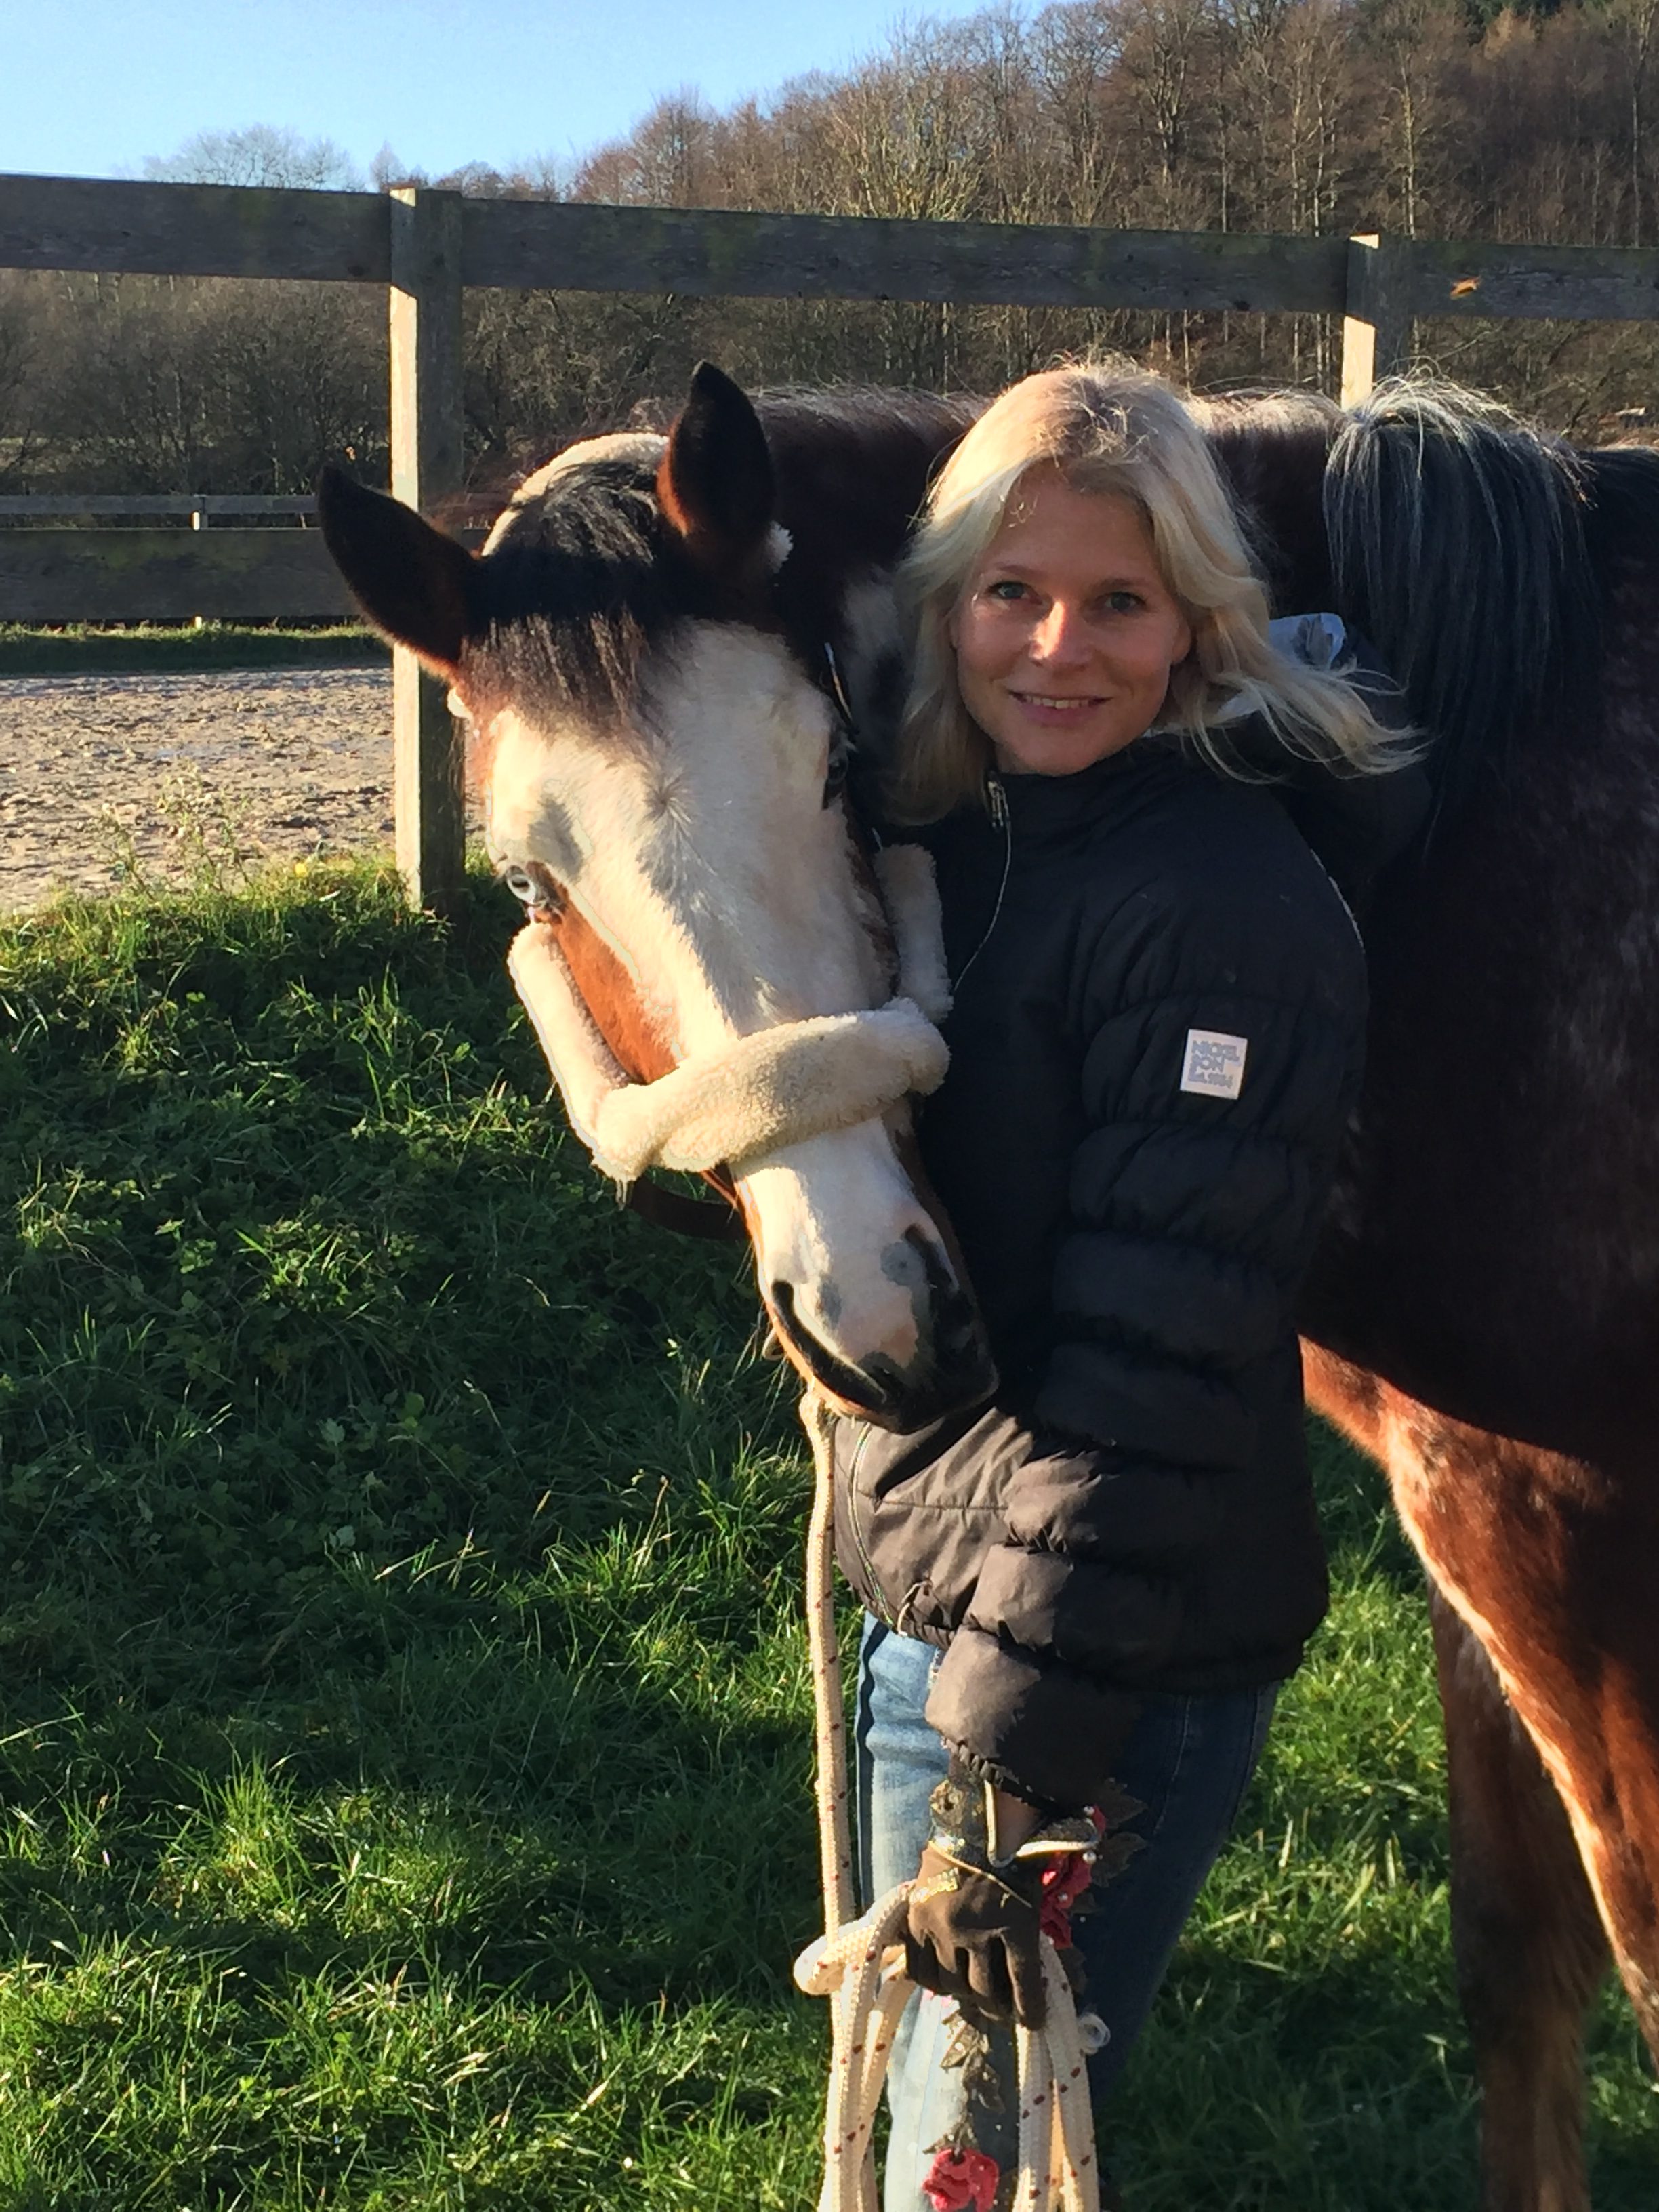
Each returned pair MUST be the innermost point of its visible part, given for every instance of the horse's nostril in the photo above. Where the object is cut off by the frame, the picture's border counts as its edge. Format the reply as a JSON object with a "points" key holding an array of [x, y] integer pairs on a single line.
{"points": [[868, 1388], [953, 1316], [953, 1369]]}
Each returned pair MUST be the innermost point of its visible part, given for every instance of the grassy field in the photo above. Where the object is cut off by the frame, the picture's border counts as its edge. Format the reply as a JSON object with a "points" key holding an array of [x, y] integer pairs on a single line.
{"points": [[404, 1761], [135, 649]]}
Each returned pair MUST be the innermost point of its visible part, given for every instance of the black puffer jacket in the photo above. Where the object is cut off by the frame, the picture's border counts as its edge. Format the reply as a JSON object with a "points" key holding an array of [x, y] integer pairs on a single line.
{"points": [[1154, 1052]]}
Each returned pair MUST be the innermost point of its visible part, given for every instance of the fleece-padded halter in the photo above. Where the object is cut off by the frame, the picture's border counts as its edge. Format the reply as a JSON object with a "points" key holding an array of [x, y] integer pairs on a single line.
{"points": [[777, 1087]]}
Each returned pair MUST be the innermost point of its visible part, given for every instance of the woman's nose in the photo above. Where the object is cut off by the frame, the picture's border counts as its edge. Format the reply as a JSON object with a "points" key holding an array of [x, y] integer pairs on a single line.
{"points": [[1058, 638]]}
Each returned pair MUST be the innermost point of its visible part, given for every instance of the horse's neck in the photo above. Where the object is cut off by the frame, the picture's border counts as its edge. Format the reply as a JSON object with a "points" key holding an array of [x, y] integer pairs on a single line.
{"points": [[1273, 459], [853, 470]]}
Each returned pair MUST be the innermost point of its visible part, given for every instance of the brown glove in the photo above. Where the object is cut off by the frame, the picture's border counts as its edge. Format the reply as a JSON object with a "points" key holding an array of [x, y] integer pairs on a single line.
{"points": [[977, 1918], [973, 1935]]}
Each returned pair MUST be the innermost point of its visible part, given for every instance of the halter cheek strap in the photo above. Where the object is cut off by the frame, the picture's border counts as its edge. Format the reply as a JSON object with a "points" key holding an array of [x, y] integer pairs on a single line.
{"points": [[904, 876], [777, 1087]]}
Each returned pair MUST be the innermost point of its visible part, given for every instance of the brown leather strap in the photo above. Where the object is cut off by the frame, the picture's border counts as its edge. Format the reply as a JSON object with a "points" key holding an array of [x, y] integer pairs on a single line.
{"points": [[715, 1218]]}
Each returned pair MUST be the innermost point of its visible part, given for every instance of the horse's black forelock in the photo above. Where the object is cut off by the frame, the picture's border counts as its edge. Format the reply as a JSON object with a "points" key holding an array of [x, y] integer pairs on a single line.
{"points": [[578, 588], [586, 576], [1459, 547]]}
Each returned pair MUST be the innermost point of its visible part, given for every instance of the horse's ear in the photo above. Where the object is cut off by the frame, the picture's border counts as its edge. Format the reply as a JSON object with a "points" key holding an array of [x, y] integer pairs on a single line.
{"points": [[414, 583], [715, 480]]}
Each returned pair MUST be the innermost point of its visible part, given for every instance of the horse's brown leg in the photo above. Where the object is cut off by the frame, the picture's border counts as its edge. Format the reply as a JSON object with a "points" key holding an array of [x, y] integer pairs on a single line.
{"points": [[1499, 1528], [1530, 1945]]}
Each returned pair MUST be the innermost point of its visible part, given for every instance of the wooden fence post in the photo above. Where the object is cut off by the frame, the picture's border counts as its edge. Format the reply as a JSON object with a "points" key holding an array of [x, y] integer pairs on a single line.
{"points": [[1376, 327], [426, 466]]}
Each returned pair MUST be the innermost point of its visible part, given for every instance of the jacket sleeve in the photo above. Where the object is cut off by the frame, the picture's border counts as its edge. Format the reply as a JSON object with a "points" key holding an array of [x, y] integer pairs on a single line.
{"points": [[1192, 1213]]}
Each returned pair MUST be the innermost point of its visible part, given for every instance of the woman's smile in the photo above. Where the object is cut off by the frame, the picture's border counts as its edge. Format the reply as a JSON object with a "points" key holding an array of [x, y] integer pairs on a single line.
{"points": [[1038, 704], [1067, 633]]}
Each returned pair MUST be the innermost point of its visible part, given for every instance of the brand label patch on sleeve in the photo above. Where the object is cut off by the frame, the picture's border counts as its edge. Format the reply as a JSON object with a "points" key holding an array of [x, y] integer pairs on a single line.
{"points": [[1214, 1065]]}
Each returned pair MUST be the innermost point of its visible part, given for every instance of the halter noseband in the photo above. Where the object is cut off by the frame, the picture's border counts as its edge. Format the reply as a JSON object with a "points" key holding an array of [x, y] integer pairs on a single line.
{"points": [[731, 1108]]}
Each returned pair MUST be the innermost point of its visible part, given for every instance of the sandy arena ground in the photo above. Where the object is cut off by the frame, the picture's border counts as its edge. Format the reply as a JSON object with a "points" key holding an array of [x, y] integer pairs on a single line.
{"points": [[99, 774]]}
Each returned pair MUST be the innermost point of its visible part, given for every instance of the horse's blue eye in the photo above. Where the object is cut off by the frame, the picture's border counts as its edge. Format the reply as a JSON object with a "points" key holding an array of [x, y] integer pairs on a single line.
{"points": [[534, 889]]}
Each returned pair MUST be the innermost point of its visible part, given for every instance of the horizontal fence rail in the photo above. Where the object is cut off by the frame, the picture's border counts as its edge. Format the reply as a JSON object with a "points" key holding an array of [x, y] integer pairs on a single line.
{"points": [[140, 574], [36, 506], [238, 230], [426, 246], [168, 575], [192, 230], [724, 255]]}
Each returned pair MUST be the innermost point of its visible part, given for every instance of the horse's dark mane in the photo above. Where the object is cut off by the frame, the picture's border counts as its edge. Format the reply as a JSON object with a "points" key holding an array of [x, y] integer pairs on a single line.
{"points": [[1473, 553], [1459, 546]]}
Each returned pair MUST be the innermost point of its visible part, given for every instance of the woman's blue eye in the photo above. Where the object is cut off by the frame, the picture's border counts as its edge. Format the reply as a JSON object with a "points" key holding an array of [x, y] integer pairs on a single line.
{"points": [[1123, 603], [1005, 588]]}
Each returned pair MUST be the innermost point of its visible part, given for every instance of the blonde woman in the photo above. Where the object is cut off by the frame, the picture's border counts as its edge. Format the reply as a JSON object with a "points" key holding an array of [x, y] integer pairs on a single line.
{"points": [[1097, 1582]]}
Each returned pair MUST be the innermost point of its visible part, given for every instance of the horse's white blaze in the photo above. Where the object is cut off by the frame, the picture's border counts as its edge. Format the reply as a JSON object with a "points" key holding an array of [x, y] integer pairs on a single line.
{"points": [[698, 846]]}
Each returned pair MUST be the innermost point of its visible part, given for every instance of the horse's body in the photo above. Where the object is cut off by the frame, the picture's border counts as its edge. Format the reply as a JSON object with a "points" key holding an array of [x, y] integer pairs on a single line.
{"points": [[1485, 1314]]}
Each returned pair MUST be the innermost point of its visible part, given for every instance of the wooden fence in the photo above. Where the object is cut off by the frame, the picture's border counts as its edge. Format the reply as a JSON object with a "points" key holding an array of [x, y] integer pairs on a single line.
{"points": [[141, 570], [426, 246], [128, 566]]}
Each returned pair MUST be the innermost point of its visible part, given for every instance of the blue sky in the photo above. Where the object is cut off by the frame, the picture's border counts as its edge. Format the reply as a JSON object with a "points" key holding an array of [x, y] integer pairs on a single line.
{"points": [[443, 82]]}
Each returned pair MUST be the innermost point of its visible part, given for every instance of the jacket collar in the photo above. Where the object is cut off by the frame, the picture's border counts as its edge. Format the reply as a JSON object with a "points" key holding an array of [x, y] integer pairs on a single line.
{"points": [[1050, 805]]}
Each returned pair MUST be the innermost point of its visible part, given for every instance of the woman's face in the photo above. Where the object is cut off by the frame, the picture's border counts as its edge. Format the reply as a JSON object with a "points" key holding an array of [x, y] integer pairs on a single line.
{"points": [[1067, 633]]}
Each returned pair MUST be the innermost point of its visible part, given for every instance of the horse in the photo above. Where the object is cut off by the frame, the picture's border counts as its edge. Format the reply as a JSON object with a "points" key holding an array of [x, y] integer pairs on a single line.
{"points": [[659, 653]]}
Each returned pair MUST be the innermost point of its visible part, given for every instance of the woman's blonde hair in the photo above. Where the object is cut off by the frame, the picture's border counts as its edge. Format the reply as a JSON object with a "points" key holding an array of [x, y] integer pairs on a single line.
{"points": [[1109, 427]]}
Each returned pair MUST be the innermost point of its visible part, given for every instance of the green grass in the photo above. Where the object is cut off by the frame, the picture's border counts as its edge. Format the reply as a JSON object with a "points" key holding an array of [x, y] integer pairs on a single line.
{"points": [[404, 1730], [134, 649]]}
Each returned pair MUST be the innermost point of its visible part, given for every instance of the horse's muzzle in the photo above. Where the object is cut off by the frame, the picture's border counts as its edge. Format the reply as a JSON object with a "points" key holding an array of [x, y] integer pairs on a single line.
{"points": [[952, 1369]]}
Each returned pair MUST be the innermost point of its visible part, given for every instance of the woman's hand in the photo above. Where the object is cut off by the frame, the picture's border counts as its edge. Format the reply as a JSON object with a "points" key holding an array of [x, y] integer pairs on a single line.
{"points": [[974, 1925], [974, 1934]]}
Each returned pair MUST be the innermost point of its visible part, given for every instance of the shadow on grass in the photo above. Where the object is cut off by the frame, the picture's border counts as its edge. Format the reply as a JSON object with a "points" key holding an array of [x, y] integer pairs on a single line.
{"points": [[547, 1776], [1344, 2086], [405, 1720]]}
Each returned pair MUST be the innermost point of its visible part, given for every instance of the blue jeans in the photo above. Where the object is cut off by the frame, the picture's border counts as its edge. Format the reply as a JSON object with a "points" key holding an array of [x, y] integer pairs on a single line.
{"points": [[1189, 1762]]}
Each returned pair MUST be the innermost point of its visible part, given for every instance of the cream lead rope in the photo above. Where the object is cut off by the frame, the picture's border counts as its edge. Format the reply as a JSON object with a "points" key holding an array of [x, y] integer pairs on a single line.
{"points": [[777, 1087], [849, 1964]]}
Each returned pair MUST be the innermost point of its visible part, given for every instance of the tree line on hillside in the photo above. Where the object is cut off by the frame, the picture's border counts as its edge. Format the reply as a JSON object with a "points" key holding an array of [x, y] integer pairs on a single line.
{"points": [[1428, 118]]}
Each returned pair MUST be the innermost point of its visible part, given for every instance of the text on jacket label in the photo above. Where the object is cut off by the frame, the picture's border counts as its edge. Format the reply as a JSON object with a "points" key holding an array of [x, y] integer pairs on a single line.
{"points": [[1214, 1065]]}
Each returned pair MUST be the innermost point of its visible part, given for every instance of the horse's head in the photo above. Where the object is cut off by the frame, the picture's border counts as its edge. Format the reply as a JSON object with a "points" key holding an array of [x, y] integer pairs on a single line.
{"points": [[660, 762]]}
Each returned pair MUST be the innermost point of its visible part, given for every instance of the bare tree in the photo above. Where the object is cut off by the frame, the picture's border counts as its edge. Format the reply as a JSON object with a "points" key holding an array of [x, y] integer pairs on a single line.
{"points": [[20, 354], [1423, 116], [260, 154]]}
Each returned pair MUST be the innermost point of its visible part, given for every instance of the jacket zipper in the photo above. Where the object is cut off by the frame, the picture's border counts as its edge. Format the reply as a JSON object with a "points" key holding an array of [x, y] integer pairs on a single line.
{"points": [[878, 1596], [996, 800]]}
